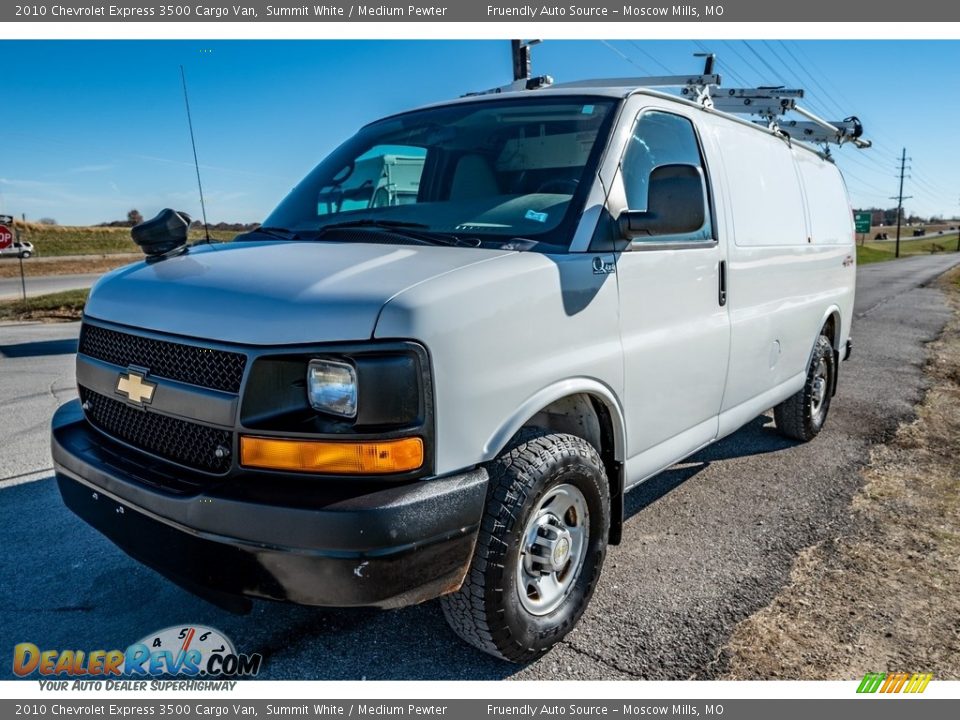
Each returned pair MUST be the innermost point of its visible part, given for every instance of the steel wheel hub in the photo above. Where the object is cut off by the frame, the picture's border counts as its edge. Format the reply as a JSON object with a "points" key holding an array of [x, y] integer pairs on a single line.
{"points": [[819, 388], [553, 547]]}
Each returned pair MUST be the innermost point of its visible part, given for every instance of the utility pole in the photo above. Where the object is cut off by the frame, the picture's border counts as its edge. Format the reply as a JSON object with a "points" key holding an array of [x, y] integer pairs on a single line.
{"points": [[900, 198]]}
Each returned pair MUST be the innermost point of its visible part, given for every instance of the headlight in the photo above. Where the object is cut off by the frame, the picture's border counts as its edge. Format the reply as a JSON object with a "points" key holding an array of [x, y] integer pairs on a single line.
{"points": [[332, 387]]}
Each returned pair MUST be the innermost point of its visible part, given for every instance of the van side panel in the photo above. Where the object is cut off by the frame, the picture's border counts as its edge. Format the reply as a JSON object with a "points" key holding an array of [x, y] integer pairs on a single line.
{"points": [[831, 222], [504, 334], [764, 189], [791, 262]]}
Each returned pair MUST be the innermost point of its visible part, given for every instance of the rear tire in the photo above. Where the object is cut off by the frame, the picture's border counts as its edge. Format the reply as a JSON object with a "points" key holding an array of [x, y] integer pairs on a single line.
{"points": [[541, 545], [802, 415]]}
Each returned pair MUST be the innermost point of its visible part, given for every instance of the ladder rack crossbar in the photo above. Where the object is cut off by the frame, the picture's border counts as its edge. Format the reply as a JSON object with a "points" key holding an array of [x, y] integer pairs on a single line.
{"points": [[765, 107], [768, 93], [651, 81]]}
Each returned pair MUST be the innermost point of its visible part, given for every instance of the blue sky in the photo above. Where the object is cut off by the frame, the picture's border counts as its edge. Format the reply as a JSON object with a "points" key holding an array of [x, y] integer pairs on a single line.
{"points": [[93, 129]]}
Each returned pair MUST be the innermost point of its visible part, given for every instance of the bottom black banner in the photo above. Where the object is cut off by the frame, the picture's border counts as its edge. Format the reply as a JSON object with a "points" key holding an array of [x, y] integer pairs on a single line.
{"points": [[874, 708]]}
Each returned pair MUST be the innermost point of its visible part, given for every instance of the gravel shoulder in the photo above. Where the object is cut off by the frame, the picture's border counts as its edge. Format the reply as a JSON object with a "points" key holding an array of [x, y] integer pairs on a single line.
{"points": [[884, 595]]}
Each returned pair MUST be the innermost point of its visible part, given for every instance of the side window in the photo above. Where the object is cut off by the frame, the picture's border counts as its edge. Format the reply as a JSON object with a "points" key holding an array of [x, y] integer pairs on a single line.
{"points": [[660, 138]]}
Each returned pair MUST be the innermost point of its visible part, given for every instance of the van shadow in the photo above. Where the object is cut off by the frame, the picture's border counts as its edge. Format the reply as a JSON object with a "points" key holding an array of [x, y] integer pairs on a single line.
{"points": [[85, 597], [40, 348], [757, 437], [434, 639], [405, 644]]}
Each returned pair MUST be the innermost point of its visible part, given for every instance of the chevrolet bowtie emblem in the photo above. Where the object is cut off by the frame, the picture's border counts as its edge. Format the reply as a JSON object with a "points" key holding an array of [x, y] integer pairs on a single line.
{"points": [[135, 387]]}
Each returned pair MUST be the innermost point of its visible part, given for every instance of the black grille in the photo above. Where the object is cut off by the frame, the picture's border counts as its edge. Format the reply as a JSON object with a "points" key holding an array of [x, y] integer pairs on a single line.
{"points": [[183, 442], [206, 367]]}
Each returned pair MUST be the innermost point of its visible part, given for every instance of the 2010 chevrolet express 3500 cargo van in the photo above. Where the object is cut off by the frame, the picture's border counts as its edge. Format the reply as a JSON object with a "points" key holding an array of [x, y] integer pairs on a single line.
{"points": [[442, 384]]}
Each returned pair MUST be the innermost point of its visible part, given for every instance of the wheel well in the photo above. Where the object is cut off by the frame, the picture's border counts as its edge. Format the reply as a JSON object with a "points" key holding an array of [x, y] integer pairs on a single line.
{"points": [[587, 417], [831, 328]]}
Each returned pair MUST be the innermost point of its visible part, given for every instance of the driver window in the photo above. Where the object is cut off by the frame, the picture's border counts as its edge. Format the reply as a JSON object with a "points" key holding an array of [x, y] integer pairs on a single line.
{"points": [[660, 138]]}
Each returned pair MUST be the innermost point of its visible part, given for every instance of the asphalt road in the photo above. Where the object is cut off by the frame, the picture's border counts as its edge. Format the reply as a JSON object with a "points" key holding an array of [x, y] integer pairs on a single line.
{"points": [[10, 287], [706, 544]]}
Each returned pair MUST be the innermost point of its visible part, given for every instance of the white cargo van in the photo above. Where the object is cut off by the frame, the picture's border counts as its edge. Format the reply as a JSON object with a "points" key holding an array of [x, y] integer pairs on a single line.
{"points": [[446, 392]]}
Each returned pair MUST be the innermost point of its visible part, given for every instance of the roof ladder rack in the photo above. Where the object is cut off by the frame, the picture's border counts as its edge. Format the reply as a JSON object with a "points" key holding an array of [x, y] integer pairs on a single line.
{"points": [[824, 132], [530, 83], [767, 102], [692, 87], [773, 103]]}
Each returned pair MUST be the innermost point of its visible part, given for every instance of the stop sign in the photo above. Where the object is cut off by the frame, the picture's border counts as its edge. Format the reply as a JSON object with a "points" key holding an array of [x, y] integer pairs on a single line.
{"points": [[6, 237]]}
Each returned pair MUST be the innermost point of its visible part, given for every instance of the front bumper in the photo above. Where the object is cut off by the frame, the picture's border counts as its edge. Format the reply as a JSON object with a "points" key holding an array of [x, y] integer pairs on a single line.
{"points": [[388, 547]]}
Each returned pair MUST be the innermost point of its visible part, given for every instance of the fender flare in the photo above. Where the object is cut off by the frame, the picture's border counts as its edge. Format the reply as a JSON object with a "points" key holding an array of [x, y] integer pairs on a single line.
{"points": [[831, 311], [557, 391]]}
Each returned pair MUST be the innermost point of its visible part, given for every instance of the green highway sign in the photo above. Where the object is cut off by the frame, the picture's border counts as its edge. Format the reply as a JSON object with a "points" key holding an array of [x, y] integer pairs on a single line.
{"points": [[862, 221]]}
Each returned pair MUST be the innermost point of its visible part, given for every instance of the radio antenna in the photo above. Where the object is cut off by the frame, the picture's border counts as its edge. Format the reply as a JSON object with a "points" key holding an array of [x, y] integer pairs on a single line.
{"points": [[196, 163]]}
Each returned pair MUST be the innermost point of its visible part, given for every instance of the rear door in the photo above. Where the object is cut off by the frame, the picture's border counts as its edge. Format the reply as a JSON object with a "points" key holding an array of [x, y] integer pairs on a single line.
{"points": [[674, 324]]}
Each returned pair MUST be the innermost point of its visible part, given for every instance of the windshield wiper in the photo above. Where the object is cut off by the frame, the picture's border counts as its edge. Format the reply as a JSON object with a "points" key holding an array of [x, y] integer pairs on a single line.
{"points": [[410, 230], [276, 232], [372, 222]]}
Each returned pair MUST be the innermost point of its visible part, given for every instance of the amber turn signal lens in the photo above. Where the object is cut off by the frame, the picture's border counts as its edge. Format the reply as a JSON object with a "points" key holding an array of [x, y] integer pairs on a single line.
{"points": [[320, 456]]}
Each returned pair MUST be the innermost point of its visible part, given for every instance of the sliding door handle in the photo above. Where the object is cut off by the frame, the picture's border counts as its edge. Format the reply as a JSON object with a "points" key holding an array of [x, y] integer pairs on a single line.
{"points": [[722, 297]]}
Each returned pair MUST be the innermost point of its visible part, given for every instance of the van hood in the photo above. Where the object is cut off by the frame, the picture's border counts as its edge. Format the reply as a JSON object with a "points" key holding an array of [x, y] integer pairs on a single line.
{"points": [[271, 293]]}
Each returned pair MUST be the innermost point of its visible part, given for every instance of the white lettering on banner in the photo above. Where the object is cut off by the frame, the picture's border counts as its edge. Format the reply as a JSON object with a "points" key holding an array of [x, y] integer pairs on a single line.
{"points": [[634, 11], [527, 11]]}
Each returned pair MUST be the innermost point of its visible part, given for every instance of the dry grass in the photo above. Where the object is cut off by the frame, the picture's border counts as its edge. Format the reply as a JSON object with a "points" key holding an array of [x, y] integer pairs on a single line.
{"points": [[880, 251], [886, 597], [66, 266], [56, 240], [62, 306]]}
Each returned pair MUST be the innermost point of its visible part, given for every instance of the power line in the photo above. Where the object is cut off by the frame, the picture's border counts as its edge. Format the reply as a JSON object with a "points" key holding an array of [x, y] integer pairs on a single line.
{"points": [[723, 67], [651, 57], [810, 62], [848, 173], [814, 104], [742, 59], [763, 60], [625, 57], [802, 68]]}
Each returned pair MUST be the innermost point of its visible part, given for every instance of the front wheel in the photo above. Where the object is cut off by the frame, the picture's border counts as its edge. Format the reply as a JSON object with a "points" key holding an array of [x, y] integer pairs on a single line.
{"points": [[541, 545], [801, 416], [25, 254]]}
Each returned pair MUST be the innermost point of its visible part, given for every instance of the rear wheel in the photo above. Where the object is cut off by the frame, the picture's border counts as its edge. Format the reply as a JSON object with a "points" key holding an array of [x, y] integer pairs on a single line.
{"points": [[801, 416], [540, 549]]}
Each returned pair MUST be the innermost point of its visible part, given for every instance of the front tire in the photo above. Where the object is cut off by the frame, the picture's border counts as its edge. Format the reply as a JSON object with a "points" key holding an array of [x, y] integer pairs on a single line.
{"points": [[802, 415], [540, 549]]}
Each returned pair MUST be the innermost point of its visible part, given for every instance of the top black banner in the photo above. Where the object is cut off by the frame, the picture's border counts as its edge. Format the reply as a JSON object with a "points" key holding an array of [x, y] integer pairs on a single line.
{"points": [[479, 11]]}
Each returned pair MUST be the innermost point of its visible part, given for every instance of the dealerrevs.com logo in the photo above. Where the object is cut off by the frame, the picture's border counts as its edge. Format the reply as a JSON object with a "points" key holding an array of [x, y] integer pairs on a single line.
{"points": [[180, 651]]}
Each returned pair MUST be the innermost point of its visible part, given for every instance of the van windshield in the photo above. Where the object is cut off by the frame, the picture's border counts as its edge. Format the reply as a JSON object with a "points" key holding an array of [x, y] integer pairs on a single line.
{"points": [[492, 170]]}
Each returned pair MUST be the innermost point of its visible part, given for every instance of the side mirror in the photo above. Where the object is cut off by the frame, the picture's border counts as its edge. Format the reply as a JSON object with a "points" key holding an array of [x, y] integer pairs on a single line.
{"points": [[162, 235], [676, 204]]}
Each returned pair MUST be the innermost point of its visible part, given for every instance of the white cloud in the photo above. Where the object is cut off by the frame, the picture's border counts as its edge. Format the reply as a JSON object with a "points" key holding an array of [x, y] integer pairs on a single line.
{"points": [[89, 169]]}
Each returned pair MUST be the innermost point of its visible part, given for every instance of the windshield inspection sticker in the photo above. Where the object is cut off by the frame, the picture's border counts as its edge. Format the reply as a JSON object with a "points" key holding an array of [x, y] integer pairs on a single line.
{"points": [[536, 216]]}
